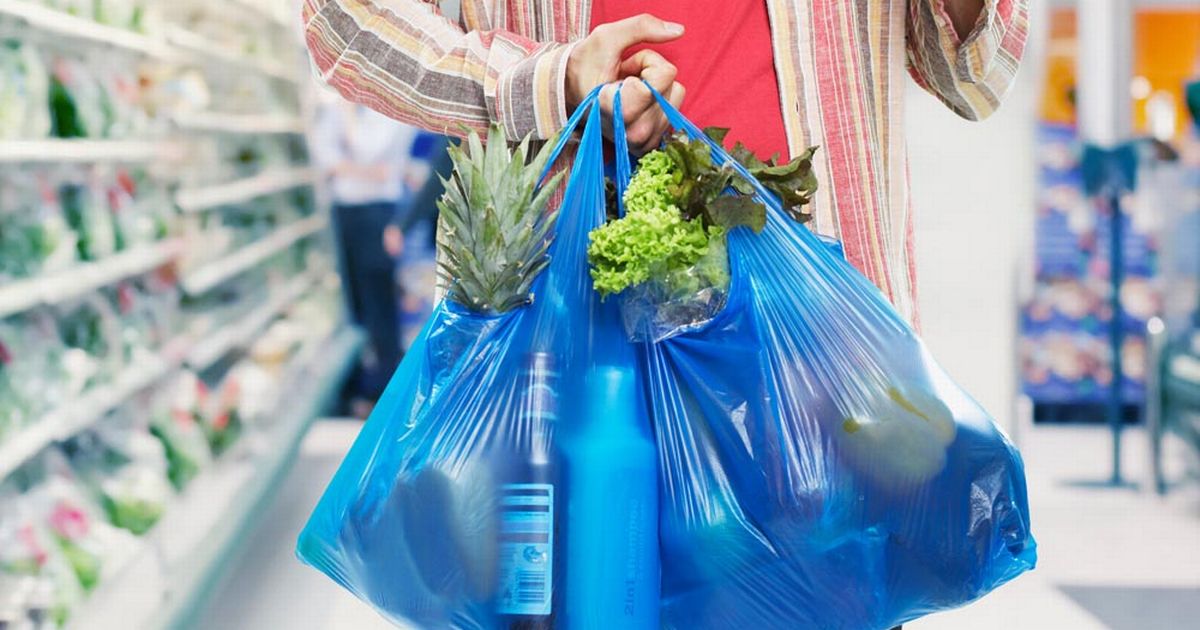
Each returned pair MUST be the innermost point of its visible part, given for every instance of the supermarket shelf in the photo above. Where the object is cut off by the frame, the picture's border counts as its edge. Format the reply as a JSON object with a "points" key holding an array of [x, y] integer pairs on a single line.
{"points": [[203, 355], [62, 286], [196, 538], [197, 199], [198, 45], [240, 123], [83, 412], [141, 591], [265, 11], [63, 24], [56, 150], [16, 450], [213, 274]]}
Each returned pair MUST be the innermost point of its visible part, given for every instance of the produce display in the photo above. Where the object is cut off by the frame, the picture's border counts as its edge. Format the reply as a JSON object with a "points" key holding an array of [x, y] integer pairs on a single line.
{"points": [[80, 511], [124, 385]]}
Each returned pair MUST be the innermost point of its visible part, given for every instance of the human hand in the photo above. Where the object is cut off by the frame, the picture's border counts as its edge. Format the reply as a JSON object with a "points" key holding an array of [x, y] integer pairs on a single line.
{"points": [[393, 241], [598, 60]]}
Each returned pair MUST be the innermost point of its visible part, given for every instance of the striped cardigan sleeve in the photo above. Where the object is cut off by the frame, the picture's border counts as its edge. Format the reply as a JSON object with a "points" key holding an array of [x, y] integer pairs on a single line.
{"points": [[970, 75], [405, 59]]}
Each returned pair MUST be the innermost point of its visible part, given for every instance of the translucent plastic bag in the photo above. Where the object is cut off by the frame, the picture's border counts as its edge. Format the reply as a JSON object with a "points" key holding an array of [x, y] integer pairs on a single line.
{"points": [[815, 468], [819, 470], [451, 509]]}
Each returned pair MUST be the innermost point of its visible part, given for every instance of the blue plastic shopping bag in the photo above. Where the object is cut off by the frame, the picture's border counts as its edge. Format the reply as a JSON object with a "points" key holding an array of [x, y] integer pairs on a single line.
{"points": [[818, 469], [506, 479], [807, 464]]}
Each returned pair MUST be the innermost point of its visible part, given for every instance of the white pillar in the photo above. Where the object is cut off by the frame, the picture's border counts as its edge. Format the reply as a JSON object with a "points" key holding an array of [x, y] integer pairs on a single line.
{"points": [[1105, 39]]}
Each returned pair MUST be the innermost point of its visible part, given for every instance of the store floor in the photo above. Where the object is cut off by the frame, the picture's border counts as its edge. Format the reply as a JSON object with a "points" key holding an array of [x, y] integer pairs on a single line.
{"points": [[1116, 559]]}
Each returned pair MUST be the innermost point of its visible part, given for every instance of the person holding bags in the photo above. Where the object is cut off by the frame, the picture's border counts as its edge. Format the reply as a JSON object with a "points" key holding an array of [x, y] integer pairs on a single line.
{"points": [[783, 74]]}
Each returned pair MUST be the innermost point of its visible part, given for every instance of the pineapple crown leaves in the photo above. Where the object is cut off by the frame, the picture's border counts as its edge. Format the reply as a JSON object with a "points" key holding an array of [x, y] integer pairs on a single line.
{"points": [[496, 227]]}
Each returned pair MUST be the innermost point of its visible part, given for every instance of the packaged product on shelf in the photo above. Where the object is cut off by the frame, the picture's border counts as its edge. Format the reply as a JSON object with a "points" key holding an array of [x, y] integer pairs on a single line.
{"points": [[218, 412], [121, 98], [91, 546], [31, 562], [24, 90], [126, 468], [34, 235], [258, 388], [173, 422], [33, 378], [79, 106], [91, 329], [13, 406], [85, 208], [127, 14]]}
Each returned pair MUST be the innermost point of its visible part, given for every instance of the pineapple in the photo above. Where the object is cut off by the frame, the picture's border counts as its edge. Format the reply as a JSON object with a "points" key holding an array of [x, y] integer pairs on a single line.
{"points": [[496, 229]]}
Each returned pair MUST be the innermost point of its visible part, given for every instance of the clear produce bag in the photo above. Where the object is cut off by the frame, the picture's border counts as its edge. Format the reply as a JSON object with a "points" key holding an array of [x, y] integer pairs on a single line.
{"points": [[819, 470], [450, 510]]}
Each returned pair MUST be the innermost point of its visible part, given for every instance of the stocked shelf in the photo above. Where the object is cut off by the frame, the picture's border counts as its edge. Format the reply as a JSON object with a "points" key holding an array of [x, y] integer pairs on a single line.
{"points": [[83, 412], [67, 284], [86, 410], [213, 274], [207, 197], [55, 150], [201, 528], [240, 123], [63, 24], [241, 334], [195, 44]]}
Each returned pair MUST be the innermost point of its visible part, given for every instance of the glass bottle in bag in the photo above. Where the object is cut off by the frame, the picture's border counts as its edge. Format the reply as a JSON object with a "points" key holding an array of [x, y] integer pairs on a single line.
{"points": [[530, 506]]}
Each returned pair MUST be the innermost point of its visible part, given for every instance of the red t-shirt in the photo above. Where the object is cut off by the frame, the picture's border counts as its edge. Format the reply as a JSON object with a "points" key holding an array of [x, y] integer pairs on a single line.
{"points": [[725, 61]]}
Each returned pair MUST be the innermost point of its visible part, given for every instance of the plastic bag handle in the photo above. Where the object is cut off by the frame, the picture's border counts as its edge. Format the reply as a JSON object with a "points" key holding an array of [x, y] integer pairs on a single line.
{"points": [[719, 155], [568, 130], [621, 146]]}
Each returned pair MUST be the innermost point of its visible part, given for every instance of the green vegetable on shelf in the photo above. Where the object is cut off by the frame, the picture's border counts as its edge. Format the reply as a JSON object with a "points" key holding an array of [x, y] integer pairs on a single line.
{"points": [[135, 515], [85, 563]]}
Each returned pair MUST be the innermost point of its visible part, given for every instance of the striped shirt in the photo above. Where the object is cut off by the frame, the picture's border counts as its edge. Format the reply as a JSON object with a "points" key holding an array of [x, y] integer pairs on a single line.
{"points": [[839, 66]]}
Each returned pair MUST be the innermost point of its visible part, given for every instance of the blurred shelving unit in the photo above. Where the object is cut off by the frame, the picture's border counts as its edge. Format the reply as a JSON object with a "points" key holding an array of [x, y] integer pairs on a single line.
{"points": [[199, 199], [58, 23], [75, 151], [189, 43], [61, 286], [180, 558], [219, 122], [212, 275]]}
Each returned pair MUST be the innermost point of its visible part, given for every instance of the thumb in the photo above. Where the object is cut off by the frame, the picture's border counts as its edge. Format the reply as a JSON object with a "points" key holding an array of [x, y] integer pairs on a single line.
{"points": [[639, 29]]}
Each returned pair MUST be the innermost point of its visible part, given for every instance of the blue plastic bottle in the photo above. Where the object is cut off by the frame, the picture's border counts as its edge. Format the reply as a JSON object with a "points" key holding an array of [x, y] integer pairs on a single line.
{"points": [[613, 581]]}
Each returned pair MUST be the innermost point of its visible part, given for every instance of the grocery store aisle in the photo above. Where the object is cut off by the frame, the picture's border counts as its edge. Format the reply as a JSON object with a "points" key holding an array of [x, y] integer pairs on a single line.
{"points": [[269, 588]]}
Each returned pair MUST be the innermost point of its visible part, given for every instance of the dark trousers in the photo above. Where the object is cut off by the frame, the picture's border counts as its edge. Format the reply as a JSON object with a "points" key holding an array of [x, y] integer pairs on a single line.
{"points": [[372, 292]]}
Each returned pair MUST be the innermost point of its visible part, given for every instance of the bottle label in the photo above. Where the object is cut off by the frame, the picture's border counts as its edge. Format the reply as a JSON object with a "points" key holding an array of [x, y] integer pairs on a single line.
{"points": [[526, 548]]}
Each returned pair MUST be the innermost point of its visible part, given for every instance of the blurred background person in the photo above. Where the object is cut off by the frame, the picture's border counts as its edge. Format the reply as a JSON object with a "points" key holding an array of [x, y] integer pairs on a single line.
{"points": [[364, 156]]}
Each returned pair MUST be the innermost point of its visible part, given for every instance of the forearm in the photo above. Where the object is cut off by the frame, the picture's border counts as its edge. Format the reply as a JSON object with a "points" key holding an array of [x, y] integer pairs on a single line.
{"points": [[406, 60]]}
